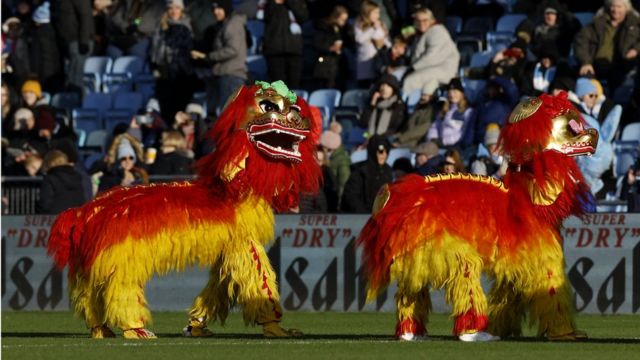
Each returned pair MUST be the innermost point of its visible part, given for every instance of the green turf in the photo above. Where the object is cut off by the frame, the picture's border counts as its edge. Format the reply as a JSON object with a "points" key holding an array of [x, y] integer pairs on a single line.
{"points": [[58, 335]]}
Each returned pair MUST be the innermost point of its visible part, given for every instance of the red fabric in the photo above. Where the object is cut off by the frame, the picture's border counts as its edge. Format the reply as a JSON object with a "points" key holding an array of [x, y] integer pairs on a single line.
{"points": [[470, 321], [410, 326]]}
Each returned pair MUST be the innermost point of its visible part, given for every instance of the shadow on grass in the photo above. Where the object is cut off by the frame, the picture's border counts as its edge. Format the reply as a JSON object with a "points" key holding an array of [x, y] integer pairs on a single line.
{"points": [[307, 337]]}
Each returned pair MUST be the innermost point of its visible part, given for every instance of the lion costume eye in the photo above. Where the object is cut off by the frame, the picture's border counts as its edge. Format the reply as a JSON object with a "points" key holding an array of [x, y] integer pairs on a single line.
{"points": [[295, 108], [268, 106]]}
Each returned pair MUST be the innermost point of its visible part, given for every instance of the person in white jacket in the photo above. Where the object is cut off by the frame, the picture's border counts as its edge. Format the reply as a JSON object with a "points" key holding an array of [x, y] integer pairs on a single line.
{"points": [[371, 35], [434, 55]]}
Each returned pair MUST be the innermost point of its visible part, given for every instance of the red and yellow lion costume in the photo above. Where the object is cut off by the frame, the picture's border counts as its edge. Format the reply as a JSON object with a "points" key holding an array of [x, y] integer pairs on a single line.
{"points": [[443, 231], [264, 157]]}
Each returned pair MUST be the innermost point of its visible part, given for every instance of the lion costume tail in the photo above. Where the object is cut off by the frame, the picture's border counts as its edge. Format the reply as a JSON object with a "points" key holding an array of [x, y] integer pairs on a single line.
{"points": [[60, 243]]}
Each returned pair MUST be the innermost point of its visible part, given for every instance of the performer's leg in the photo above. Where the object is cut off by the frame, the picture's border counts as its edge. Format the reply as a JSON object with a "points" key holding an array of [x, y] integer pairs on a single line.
{"points": [[469, 304], [89, 306], [126, 307], [255, 280], [550, 297], [506, 310], [212, 303], [412, 314]]}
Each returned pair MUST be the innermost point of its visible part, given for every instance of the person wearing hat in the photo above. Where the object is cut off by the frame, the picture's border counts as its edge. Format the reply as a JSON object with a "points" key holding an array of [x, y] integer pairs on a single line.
{"points": [[386, 110], [434, 54], [121, 167], [43, 114], [227, 57], [454, 124], [368, 177], [608, 46], [339, 160], [420, 120], [592, 100], [428, 159], [44, 55], [171, 47], [556, 30], [61, 187]]}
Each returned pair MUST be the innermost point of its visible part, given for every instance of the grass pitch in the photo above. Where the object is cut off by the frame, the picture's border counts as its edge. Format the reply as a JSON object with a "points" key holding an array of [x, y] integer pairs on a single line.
{"points": [[58, 335]]}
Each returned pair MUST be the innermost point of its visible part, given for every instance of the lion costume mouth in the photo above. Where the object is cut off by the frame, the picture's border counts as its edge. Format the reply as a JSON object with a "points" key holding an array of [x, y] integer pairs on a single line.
{"points": [[278, 141], [571, 138]]}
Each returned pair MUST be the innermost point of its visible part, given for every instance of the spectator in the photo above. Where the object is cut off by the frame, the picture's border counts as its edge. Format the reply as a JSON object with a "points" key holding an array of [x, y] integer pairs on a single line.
{"points": [[392, 60], [428, 159], [556, 30], [510, 63], [541, 75], [454, 125], [33, 99], [420, 121], [437, 7], [488, 160], [173, 158], [171, 57], [61, 187], [388, 10], [328, 40], [282, 46], [131, 25], [15, 52], [453, 162], [73, 20], [386, 111], [608, 46], [148, 127], [194, 125], [24, 134], [101, 10], [325, 200], [227, 57], [502, 97], [631, 188], [593, 101], [7, 107], [401, 167], [121, 167], [562, 83], [371, 36], [433, 54], [43, 50], [368, 177], [339, 160]]}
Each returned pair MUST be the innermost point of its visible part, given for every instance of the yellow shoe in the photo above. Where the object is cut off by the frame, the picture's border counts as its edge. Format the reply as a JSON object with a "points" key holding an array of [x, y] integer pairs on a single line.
{"points": [[576, 335], [101, 332], [196, 328], [273, 330], [139, 333]]}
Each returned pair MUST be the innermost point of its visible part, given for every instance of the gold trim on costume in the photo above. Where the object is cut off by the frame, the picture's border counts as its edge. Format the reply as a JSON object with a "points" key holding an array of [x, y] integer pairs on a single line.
{"points": [[471, 177], [524, 109]]}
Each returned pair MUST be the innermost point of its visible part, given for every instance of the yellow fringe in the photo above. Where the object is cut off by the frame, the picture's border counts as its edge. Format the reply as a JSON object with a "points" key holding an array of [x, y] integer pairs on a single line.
{"points": [[113, 290]]}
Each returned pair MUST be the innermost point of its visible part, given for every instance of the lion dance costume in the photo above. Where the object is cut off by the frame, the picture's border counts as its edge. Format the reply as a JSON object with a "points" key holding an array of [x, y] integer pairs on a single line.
{"points": [[443, 231], [264, 157]]}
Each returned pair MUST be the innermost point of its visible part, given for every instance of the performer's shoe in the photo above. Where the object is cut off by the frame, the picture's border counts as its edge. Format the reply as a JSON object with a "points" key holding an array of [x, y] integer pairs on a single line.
{"points": [[273, 330], [139, 333], [411, 337], [576, 335], [101, 332], [196, 328], [478, 336]]}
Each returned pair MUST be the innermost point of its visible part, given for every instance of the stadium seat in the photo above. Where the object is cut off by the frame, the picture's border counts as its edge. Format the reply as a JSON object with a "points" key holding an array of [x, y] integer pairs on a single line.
{"points": [[631, 132], [326, 97], [622, 94], [256, 30], [82, 136], [99, 101], [411, 100], [510, 22], [355, 137], [454, 25], [481, 59], [467, 46], [86, 119], [123, 71], [146, 85], [304, 94], [115, 117], [478, 25], [97, 138], [348, 122], [398, 153], [499, 39], [94, 69], [473, 89], [132, 101], [626, 153], [355, 97], [584, 17], [358, 156], [91, 159], [257, 65], [66, 101]]}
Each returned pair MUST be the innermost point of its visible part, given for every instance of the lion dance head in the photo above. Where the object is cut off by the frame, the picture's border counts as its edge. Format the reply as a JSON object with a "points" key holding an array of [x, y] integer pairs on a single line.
{"points": [[265, 143]]}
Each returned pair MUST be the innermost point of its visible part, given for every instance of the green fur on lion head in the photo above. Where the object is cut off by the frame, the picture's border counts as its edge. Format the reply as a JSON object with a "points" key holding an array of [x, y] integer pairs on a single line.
{"points": [[280, 87]]}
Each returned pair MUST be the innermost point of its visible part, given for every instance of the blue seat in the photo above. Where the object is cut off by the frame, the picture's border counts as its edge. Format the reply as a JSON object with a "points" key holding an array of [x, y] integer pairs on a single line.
{"points": [[467, 46], [82, 136], [473, 89], [91, 159], [326, 97], [509, 22], [453, 24], [257, 65], [631, 132], [94, 69], [626, 153], [146, 85], [584, 17], [355, 137], [623, 94], [97, 138], [355, 97], [66, 101], [398, 153], [478, 25], [481, 59], [499, 39], [115, 117], [256, 30], [304, 94], [359, 156], [132, 101], [99, 101], [86, 119], [123, 71], [412, 99]]}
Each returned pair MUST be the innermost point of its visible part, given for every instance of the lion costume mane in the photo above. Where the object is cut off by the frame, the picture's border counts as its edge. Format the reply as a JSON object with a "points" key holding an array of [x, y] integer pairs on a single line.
{"points": [[443, 231], [264, 157]]}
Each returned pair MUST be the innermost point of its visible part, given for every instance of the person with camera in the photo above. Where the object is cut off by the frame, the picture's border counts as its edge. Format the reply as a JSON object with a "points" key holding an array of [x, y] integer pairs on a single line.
{"points": [[148, 126]]}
